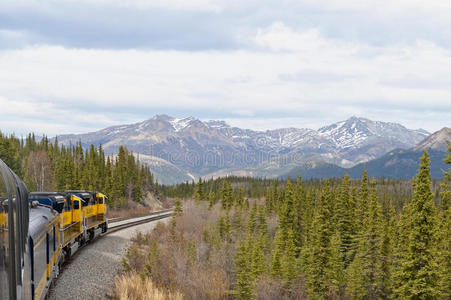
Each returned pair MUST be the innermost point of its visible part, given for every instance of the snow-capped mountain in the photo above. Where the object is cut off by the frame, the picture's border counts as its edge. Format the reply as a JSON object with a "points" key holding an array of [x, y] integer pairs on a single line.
{"points": [[203, 147]]}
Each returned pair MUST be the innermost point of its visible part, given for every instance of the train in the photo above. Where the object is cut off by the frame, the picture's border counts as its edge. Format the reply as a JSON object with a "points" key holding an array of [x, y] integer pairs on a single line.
{"points": [[40, 231]]}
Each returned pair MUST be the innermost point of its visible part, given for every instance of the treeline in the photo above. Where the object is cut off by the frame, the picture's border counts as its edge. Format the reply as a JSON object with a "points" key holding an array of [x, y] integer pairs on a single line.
{"points": [[47, 166], [398, 191], [332, 239]]}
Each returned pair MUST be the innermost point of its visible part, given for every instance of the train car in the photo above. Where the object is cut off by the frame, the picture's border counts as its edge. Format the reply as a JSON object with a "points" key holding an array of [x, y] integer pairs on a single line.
{"points": [[39, 231], [15, 275], [94, 212], [44, 248]]}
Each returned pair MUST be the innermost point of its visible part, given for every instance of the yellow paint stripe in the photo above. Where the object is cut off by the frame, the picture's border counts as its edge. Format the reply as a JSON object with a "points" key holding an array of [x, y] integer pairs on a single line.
{"points": [[40, 241], [41, 286]]}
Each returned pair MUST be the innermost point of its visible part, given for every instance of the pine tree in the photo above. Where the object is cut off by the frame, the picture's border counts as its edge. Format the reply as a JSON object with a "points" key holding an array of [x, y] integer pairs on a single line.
{"points": [[178, 210], [387, 255], [288, 214], [199, 193], [370, 246], [345, 221], [362, 202], [226, 199], [319, 269], [419, 268], [211, 199], [288, 261], [258, 259], [239, 197], [244, 280], [252, 221], [337, 275], [354, 278], [444, 232], [276, 264]]}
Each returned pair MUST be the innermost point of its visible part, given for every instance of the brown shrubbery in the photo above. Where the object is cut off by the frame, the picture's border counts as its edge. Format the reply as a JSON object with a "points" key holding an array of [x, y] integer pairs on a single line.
{"points": [[192, 257], [135, 287]]}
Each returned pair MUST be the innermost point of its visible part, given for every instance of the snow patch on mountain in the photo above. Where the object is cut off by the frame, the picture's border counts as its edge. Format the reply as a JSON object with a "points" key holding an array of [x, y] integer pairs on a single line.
{"points": [[180, 124]]}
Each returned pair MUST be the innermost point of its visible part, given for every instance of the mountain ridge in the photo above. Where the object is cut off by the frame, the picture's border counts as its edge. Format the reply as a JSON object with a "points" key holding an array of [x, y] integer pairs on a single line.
{"points": [[199, 148]]}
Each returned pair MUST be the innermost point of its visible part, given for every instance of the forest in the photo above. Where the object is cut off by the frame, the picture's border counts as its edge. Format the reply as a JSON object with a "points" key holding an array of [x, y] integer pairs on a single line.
{"points": [[47, 166], [243, 238]]}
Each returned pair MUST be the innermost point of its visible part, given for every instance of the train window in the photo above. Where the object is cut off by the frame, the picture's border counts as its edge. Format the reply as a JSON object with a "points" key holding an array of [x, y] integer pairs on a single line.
{"points": [[100, 200], [68, 204], [76, 204]]}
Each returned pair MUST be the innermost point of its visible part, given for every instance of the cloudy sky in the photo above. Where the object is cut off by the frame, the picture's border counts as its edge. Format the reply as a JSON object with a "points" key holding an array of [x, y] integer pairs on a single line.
{"points": [[72, 66]]}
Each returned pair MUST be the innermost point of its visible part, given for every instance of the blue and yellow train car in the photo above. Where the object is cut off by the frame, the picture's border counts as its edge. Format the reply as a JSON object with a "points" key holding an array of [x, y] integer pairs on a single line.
{"points": [[94, 211], [39, 231]]}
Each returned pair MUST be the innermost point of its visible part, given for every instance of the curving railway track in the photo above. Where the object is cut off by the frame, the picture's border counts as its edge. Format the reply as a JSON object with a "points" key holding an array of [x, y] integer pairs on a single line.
{"points": [[122, 223], [91, 271]]}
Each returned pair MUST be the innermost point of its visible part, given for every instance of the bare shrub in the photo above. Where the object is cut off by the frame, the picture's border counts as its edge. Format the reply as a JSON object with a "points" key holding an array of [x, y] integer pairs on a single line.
{"points": [[134, 287]]}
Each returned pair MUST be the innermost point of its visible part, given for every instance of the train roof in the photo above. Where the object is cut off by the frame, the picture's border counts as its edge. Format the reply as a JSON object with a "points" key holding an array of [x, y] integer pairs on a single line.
{"points": [[39, 218], [58, 197]]}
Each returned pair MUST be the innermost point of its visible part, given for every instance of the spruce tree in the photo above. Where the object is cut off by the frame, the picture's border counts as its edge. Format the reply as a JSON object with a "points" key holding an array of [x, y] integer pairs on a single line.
{"points": [[226, 195], [258, 266], [276, 264], [199, 192], [370, 246], [362, 201], [419, 268], [345, 221], [319, 269], [289, 264], [387, 254], [243, 273], [444, 232], [354, 278], [337, 274], [178, 210]]}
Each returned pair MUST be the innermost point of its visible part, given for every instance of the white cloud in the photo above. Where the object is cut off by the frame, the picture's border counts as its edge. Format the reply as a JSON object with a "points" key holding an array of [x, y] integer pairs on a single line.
{"points": [[347, 78]]}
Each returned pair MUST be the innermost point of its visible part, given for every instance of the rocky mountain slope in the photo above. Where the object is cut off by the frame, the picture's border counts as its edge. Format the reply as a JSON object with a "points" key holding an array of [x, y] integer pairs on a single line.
{"points": [[399, 163], [190, 147]]}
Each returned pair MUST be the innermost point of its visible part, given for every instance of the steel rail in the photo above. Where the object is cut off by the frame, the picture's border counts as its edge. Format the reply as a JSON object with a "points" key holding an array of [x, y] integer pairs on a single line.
{"points": [[138, 222], [114, 220]]}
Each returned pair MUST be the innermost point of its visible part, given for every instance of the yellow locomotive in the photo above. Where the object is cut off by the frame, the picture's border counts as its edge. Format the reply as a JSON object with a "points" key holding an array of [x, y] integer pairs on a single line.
{"points": [[71, 219]]}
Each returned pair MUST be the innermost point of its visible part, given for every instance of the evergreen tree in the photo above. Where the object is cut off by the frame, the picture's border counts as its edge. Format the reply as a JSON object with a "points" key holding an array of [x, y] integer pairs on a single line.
{"points": [[258, 267], [370, 247], [444, 232], [419, 268], [288, 261], [387, 254], [199, 193], [319, 269], [211, 199], [178, 210], [226, 193], [337, 275], [244, 280], [362, 201], [355, 282], [345, 221], [276, 264]]}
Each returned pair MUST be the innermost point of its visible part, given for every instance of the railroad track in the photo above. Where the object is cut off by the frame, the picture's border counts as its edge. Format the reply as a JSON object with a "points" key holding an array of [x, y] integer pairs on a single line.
{"points": [[129, 222], [115, 220], [79, 277]]}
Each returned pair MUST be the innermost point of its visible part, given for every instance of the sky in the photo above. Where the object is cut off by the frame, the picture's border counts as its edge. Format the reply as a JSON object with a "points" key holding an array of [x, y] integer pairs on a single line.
{"points": [[75, 66]]}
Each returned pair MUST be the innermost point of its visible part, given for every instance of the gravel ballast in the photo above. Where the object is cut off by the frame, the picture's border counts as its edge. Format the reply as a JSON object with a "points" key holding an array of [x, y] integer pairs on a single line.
{"points": [[91, 272]]}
